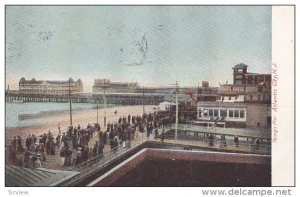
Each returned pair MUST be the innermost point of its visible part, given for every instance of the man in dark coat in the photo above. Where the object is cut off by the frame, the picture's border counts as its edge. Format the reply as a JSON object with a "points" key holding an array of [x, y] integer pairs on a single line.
{"points": [[162, 136], [129, 118]]}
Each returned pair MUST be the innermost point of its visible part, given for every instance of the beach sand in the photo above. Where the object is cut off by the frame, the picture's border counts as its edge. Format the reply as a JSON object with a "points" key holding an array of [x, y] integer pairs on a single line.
{"points": [[82, 117]]}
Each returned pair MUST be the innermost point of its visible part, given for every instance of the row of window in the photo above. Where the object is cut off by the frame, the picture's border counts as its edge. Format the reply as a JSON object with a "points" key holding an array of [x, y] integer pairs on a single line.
{"points": [[226, 113], [258, 97], [245, 88], [44, 92], [47, 87], [249, 98]]}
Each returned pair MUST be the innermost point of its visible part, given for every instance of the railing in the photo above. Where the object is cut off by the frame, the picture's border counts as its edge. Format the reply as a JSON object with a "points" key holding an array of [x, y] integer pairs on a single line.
{"points": [[218, 144], [214, 129], [186, 126], [99, 162]]}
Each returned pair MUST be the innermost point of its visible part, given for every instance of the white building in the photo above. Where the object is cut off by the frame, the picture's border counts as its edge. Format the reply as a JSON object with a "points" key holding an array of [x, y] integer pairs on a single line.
{"points": [[214, 111], [235, 114], [49, 87], [165, 105]]}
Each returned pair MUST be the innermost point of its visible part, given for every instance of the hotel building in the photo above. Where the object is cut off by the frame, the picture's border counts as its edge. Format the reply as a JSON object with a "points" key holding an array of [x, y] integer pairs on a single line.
{"points": [[114, 87], [49, 87]]}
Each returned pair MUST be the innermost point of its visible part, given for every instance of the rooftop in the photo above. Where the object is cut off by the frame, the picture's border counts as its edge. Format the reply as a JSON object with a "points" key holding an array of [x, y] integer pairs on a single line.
{"points": [[240, 65], [162, 167], [26, 177], [34, 81]]}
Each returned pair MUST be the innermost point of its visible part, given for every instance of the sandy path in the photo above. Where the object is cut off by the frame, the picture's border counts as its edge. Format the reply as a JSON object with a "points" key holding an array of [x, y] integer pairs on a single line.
{"points": [[83, 117]]}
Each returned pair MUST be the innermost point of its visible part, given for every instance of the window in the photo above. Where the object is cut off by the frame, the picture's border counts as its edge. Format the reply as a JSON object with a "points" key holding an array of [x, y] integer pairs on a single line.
{"points": [[205, 113], [216, 112], [211, 113], [240, 70], [238, 82], [230, 113], [238, 76], [242, 114], [236, 113], [223, 112]]}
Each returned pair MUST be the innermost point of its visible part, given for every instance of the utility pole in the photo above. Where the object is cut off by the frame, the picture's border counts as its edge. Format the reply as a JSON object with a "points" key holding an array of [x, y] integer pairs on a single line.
{"points": [[70, 102], [97, 108], [198, 95], [143, 101], [176, 124], [104, 100], [176, 111]]}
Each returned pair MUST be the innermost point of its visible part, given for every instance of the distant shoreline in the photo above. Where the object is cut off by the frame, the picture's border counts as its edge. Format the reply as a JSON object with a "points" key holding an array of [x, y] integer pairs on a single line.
{"points": [[42, 114]]}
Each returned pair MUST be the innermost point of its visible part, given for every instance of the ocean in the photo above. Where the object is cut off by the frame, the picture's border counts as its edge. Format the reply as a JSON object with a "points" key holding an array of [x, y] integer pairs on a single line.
{"points": [[33, 113]]}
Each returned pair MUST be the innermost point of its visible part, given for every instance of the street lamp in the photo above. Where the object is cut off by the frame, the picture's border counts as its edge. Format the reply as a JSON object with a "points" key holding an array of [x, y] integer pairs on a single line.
{"points": [[176, 124]]}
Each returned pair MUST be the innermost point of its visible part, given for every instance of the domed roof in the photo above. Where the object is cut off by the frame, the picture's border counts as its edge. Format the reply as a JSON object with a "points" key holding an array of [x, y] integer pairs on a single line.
{"points": [[22, 80], [79, 81], [240, 65]]}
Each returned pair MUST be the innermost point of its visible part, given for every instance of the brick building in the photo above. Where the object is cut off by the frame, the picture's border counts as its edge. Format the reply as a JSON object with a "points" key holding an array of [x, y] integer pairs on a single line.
{"points": [[247, 87], [245, 103], [207, 93]]}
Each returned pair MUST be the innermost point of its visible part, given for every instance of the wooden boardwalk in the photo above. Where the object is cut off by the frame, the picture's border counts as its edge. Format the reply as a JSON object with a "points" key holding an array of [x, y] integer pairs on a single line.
{"points": [[53, 161]]}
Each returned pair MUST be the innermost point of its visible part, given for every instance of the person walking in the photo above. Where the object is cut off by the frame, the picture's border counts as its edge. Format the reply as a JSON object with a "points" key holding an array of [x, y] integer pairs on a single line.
{"points": [[156, 133], [162, 136]]}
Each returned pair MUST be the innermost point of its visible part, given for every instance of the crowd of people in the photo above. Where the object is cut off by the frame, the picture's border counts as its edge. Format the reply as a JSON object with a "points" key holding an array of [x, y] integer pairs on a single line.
{"points": [[33, 154], [74, 146]]}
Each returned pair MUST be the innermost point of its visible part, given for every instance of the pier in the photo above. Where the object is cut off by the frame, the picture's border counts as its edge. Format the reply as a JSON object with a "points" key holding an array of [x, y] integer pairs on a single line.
{"points": [[82, 97]]}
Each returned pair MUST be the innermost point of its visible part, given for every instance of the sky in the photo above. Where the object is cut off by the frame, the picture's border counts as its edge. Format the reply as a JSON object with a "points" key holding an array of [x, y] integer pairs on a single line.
{"points": [[151, 45]]}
